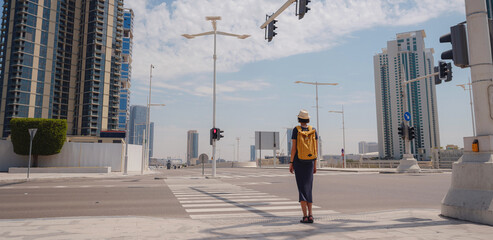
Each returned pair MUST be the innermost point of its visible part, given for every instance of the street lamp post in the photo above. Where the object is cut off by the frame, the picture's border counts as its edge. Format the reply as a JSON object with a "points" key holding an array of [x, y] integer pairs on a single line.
{"points": [[469, 88], [214, 20], [343, 137], [148, 120], [318, 126]]}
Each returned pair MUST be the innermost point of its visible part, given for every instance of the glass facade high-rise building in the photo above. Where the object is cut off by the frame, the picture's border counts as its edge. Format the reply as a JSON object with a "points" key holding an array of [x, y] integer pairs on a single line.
{"points": [[252, 153], [62, 60], [192, 147], [406, 58], [126, 72], [137, 125]]}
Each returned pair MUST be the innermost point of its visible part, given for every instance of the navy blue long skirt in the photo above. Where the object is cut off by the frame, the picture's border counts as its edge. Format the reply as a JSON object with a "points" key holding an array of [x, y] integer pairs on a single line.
{"points": [[303, 171]]}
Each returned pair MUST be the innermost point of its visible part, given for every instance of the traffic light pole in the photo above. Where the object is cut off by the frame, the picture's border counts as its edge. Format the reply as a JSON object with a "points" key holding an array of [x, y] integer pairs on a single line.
{"points": [[214, 104], [408, 163], [471, 191], [277, 13]]}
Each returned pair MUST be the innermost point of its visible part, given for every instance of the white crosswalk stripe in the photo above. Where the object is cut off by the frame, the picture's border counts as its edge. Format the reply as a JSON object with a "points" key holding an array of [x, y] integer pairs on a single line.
{"points": [[216, 201]]}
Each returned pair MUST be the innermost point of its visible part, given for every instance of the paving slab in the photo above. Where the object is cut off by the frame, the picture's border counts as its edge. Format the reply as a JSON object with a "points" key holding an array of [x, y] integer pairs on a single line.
{"points": [[396, 224]]}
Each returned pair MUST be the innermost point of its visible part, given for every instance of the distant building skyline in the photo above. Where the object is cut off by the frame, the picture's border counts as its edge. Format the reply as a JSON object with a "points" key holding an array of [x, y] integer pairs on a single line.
{"points": [[406, 58], [367, 147], [252, 153], [192, 147], [137, 125]]}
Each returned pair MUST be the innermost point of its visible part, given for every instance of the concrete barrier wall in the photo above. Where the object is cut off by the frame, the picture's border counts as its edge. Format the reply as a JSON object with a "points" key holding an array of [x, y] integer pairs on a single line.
{"points": [[77, 155], [8, 158]]}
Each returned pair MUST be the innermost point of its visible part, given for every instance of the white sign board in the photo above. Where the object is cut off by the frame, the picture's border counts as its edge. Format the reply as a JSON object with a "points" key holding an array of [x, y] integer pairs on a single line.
{"points": [[267, 140]]}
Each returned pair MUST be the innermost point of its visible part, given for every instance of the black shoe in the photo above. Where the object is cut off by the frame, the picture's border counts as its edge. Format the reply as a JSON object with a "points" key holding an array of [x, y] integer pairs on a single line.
{"points": [[310, 219], [305, 220]]}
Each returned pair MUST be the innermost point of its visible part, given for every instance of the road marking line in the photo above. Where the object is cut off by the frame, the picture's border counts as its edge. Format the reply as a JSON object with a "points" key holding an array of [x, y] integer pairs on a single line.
{"points": [[212, 197], [229, 204], [240, 209], [222, 194], [269, 214], [235, 200], [60, 186], [216, 192]]}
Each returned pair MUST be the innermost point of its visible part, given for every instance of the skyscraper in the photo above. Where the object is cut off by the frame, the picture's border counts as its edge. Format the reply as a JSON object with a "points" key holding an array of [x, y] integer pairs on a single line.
{"points": [[62, 60], [252, 153], [124, 109], [192, 146], [137, 125], [405, 58]]}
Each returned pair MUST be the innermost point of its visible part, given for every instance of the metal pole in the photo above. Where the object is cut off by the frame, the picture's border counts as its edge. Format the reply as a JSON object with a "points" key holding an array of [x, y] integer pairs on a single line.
{"points": [[343, 137], [214, 104], [472, 111], [148, 123], [407, 145], [142, 165], [30, 151], [318, 127], [126, 148], [143, 145], [238, 149]]}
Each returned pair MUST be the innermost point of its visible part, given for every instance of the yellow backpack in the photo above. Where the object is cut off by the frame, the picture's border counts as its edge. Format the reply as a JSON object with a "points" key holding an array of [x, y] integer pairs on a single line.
{"points": [[306, 144]]}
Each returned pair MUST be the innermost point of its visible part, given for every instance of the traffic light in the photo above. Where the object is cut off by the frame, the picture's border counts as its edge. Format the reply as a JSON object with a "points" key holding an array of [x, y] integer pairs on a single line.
{"points": [[445, 71], [402, 130], [437, 78], [219, 134], [302, 8], [412, 133], [213, 134], [270, 29], [459, 53]]}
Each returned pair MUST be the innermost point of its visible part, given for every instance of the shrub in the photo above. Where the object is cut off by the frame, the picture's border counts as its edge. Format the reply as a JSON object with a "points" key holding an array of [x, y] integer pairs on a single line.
{"points": [[49, 138]]}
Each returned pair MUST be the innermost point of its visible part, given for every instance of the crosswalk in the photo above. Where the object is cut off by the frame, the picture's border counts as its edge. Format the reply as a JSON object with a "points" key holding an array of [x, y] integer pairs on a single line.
{"points": [[275, 174], [224, 200]]}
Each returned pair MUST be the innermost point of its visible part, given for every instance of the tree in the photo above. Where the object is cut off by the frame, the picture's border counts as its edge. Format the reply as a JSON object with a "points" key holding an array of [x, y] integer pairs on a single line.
{"points": [[49, 138]]}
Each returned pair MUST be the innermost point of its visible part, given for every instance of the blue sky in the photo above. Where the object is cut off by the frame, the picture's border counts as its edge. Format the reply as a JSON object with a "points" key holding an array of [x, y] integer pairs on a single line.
{"points": [[335, 42]]}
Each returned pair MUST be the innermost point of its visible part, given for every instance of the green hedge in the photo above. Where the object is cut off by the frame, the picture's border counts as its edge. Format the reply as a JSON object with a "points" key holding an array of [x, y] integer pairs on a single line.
{"points": [[49, 138]]}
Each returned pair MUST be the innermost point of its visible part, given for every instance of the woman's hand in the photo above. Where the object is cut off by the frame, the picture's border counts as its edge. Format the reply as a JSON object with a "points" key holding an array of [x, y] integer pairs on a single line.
{"points": [[315, 169], [291, 169]]}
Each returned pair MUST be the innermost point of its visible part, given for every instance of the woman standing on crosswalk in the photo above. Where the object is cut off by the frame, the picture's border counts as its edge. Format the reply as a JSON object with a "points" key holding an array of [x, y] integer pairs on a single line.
{"points": [[303, 162]]}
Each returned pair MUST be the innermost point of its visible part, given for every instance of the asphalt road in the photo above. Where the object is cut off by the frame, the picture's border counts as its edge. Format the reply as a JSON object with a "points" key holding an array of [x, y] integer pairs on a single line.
{"points": [[150, 195]]}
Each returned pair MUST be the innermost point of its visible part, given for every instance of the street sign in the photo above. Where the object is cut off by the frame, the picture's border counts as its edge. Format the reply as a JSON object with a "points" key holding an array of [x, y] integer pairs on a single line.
{"points": [[407, 116], [203, 158], [32, 132]]}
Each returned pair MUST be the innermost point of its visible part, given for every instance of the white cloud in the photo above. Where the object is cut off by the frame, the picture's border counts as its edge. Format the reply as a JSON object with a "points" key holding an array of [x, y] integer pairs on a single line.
{"points": [[158, 40]]}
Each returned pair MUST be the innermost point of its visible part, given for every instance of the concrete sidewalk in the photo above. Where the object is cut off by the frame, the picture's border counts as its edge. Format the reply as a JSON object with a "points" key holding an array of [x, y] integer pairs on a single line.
{"points": [[397, 224], [16, 177]]}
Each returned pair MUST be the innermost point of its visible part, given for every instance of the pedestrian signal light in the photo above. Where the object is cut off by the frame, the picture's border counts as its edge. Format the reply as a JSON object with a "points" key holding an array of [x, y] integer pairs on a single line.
{"points": [[437, 77], [401, 130], [412, 133], [302, 8], [270, 30], [459, 52], [219, 134], [445, 71]]}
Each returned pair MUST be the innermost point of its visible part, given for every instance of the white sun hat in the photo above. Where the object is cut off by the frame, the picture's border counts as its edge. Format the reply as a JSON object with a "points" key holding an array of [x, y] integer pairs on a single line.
{"points": [[303, 114]]}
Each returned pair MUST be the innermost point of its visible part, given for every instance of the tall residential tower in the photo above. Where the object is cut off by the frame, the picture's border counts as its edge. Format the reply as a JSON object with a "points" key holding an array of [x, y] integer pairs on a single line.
{"points": [[406, 58], [192, 147], [62, 60], [124, 109]]}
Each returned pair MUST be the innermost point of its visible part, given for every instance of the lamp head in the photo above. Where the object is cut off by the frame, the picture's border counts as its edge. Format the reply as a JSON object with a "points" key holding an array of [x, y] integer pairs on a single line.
{"points": [[243, 36], [213, 18], [188, 36]]}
